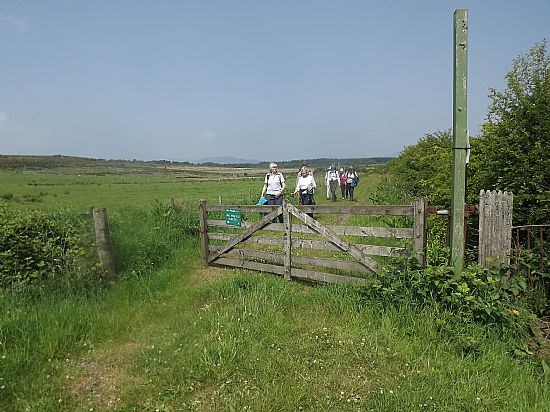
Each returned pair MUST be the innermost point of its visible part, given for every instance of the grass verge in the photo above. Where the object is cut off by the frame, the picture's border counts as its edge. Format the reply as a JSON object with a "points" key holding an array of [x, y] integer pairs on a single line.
{"points": [[254, 342]]}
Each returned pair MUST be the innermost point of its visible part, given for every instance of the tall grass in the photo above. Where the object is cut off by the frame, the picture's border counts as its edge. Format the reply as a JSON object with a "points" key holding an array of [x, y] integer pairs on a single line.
{"points": [[39, 337], [159, 340], [260, 344]]}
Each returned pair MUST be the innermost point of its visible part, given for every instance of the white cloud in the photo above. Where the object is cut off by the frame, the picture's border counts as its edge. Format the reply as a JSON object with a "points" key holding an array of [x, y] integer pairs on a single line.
{"points": [[20, 24]]}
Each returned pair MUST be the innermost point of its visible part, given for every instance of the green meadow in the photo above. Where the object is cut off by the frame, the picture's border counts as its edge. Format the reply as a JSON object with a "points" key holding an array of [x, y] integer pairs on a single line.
{"points": [[173, 335]]}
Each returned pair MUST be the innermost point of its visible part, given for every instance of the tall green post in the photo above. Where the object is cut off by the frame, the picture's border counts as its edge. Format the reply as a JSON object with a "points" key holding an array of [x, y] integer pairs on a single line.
{"points": [[460, 137]]}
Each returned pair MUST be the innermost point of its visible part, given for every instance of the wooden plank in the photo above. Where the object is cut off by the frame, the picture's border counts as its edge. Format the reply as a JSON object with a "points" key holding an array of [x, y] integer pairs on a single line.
{"points": [[264, 240], [299, 260], [345, 246], [495, 227], [203, 231], [372, 210], [246, 264], [295, 273], [324, 277], [287, 240], [254, 254], [398, 233], [420, 230], [389, 251], [242, 208], [239, 238]]}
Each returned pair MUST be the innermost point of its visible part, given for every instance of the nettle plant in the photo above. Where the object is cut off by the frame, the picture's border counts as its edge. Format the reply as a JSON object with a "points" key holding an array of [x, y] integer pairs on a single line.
{"points": [[36, 248]]}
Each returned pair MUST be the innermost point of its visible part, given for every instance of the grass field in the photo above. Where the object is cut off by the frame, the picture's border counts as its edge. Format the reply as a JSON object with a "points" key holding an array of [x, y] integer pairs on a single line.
{"points": [[180, 336], [55, 190]]}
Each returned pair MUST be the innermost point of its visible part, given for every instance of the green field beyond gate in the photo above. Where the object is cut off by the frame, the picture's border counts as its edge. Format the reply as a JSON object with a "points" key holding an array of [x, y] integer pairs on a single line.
{"points": [[172, 334]]}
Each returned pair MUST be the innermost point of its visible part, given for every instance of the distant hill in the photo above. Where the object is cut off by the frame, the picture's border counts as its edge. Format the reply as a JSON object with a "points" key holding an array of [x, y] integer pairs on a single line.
{"points": [[12, 162], [359, 163], [225, 160]]}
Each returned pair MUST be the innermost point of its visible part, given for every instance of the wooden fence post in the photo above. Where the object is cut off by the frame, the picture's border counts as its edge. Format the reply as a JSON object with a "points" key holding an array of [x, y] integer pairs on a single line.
{"points": [[495, 227], [203, 231], [420, 229], [460, 137], [288, 240], [103, 241]]}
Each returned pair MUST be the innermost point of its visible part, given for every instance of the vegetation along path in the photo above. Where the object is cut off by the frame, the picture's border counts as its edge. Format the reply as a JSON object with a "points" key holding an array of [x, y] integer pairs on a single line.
{"points": [[216, 339]]}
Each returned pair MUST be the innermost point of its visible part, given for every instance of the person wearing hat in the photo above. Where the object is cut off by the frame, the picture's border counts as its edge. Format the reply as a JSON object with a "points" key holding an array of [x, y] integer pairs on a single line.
{"points": [[274, 185]]}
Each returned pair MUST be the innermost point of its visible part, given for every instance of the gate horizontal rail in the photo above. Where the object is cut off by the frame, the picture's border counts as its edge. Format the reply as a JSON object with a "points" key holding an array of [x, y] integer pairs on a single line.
{"points": [[347, 250]]}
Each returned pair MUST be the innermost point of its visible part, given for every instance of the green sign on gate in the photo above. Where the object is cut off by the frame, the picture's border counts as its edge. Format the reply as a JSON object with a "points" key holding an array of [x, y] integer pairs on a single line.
{"points": [[232, 217]]}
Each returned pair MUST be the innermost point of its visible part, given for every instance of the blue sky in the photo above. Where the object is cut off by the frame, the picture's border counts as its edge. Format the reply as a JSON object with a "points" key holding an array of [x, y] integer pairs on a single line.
{"points": [[265, 80]]}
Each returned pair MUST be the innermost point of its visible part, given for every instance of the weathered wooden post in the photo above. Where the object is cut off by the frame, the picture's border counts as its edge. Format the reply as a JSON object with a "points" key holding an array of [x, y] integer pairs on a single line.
{"points": [[460, 137], [288, 240], [203, 231], [103, 241], [420, 229], [495, 227]]}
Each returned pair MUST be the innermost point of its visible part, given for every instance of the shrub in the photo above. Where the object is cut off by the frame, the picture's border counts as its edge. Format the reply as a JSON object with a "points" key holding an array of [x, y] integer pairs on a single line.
{"points": [[39, 250]]}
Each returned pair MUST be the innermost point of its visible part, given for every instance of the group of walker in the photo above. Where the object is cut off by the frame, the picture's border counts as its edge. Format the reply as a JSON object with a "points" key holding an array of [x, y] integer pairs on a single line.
{"points": [[274, 185]]}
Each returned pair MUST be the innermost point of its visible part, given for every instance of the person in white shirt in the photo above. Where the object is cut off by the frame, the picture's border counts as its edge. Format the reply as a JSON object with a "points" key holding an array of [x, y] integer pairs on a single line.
{"points": [[333, 180], [274, 185], [306, 187], [327, 182]]}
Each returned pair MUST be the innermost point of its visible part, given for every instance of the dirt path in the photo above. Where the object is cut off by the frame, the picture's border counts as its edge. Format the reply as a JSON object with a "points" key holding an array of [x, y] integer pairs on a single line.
{"points": [[99, 380]]}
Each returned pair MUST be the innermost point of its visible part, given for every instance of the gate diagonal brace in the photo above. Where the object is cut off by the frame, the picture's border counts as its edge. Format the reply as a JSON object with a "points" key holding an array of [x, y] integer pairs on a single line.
{"points": [[333, 237], [247, 233]]}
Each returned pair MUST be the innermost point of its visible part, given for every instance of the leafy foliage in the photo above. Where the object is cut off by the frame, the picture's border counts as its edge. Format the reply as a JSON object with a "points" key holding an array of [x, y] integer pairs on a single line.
{"points": [[37, 249], [514, 147], [489, 296], [424, 169]]}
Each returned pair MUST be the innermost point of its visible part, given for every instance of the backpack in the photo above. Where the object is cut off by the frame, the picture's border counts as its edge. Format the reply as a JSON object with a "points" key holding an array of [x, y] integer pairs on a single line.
{"points": [[355, 179]]}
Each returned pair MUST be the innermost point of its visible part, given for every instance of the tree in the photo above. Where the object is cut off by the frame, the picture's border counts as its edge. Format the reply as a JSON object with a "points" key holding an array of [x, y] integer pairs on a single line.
{"points": [[425, 168], [514, 151]]}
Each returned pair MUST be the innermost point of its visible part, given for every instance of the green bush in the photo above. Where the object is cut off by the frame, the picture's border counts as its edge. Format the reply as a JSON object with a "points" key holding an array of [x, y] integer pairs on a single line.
{"points": [[487, 296], [38, 250]]}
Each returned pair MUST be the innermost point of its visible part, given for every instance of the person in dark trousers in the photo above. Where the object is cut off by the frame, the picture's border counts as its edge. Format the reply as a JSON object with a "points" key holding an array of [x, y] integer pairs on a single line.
{"points": [[305, 186], [274, 185], [351, 181], [332, 181], [343, 182]]}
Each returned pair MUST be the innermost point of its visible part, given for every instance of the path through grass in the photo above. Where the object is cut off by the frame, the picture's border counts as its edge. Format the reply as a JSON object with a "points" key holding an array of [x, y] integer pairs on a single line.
{"points": [[216, 339]]}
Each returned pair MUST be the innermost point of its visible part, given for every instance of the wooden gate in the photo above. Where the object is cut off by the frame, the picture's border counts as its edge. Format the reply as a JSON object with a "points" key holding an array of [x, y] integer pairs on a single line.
{"points": [[347, 251]]}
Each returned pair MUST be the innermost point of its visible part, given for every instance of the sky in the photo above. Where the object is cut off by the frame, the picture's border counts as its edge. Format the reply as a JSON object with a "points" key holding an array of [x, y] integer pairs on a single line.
{"points": [[253, 79]]}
